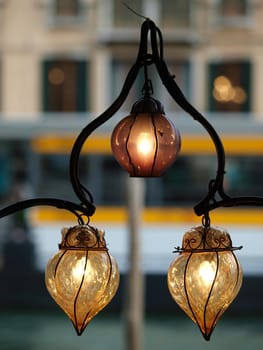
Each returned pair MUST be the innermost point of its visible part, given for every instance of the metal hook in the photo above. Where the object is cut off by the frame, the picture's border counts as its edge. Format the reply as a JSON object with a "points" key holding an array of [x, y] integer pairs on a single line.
{"points": [[206, 220]]}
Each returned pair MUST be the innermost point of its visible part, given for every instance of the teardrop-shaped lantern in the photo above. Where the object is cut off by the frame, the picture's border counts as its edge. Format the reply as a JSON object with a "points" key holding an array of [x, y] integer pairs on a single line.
{"points": [[146, 143], [206, 276], [82, 277]]}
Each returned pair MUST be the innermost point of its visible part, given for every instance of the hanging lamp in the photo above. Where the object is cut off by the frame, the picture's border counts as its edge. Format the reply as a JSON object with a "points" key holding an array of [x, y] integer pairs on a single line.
{"points": [[82, 277], [146, 143], [206, 276]]}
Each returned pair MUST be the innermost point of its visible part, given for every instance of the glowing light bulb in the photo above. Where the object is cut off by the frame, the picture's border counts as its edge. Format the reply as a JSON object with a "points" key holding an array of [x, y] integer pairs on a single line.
{"points": [[145, 144], [206, 272]]}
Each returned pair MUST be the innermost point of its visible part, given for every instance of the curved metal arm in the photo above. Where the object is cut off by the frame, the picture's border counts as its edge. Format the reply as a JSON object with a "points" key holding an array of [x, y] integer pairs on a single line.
{"points": [[178, 96], [209, 202], [79, 189], [141, 60], [232, 202], [77, 210]]}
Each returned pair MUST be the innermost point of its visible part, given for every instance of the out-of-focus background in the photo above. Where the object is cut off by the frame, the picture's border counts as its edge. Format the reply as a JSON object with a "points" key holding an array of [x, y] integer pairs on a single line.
{"points": [[62, 62]]}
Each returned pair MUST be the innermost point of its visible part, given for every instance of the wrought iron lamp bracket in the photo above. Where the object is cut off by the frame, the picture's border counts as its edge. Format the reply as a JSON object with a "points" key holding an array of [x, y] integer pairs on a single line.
{"points": [[150, 52]]}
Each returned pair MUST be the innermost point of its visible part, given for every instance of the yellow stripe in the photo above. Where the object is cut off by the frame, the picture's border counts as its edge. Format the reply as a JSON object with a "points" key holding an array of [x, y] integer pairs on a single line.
{"points": [[191, 144], [63, 144], [243, 144], [233, 144], [171, 215]]}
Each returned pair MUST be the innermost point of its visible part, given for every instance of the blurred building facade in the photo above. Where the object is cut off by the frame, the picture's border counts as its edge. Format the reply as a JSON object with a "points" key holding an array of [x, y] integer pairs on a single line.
{"points": [[49, 47], [62, 62]]}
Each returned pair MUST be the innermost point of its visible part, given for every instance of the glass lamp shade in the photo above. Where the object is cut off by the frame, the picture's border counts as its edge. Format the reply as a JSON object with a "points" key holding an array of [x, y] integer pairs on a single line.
{"points": [[146, 143], [82, 277], [206, 276]]}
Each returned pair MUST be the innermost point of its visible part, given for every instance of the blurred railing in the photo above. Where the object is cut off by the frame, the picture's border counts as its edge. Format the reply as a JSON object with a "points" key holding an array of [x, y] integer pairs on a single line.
{"points": [[28, 126]]}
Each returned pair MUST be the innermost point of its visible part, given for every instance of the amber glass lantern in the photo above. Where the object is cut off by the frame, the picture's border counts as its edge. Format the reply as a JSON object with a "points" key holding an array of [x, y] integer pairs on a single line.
{"points": [[146, 143], [82, 277], [206, 276]]}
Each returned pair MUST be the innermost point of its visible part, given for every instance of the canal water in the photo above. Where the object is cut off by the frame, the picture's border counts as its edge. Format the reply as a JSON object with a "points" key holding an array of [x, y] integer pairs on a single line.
{"points": [[53, 331]]}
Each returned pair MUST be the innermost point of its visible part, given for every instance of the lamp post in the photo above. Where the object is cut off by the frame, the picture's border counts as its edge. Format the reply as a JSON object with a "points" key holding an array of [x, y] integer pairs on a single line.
{"points": [[134, 296]]}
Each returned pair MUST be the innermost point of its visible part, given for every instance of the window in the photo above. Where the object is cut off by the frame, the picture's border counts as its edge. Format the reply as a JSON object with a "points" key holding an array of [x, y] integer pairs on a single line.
{"points": [[67, 8], [54, 170], [123, 16], [244, 175], [243, 178], [234, 13], [14, 175], [66, 13], [187, 170], [229, 86], [233, 8], [175, 14], [0, 85], [65, 87], [113, 184], [6, 171]]}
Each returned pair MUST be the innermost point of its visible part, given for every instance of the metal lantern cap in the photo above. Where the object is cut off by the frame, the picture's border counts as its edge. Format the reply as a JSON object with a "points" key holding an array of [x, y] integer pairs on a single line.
{"points": [[83, 237], [147, 105], [201, 239]]}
